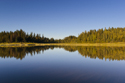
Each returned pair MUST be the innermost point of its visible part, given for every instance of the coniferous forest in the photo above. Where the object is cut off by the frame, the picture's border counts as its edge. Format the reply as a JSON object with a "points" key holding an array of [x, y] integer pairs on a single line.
{"points": [[98, 36], [21, 36], [92, 36]]}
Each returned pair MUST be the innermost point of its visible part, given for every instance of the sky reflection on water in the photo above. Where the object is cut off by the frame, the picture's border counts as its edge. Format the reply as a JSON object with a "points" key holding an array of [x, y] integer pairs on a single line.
{"points": [[58, 65]]}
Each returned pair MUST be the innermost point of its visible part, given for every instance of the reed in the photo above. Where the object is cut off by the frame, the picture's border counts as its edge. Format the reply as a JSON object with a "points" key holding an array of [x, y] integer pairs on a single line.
{"points": [[121, 44]]}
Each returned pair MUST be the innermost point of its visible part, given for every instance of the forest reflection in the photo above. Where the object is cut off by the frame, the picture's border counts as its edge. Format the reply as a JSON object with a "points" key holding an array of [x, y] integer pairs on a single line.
{"points": [[111, 53]]}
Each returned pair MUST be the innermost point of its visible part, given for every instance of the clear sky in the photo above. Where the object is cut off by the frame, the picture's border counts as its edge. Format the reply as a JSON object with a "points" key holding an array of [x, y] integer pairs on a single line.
{"points": [[60, 18]]}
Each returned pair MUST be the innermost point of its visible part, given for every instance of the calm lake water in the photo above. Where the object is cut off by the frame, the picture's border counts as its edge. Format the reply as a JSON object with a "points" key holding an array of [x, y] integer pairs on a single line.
{"points": [[62, 64]]}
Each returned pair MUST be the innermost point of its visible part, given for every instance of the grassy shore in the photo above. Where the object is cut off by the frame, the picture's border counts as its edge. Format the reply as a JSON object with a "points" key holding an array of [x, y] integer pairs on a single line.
{"points": [[60, 44]]}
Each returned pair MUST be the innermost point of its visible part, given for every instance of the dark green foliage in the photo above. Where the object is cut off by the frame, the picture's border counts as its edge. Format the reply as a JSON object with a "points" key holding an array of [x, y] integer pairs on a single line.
{"points": [[21, 36], [69, 39], [92, 36], [102, 36]]}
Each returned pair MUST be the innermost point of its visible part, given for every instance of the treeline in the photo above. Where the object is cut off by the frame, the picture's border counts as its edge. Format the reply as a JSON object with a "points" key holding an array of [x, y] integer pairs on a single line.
{"points": [[98, 36], [106, 35], [92, 36], [21, 36], [69, 39]]}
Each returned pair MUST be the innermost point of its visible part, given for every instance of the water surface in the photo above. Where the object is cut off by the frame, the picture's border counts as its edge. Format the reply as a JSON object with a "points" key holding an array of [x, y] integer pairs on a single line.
{"points": [[62, 64]]}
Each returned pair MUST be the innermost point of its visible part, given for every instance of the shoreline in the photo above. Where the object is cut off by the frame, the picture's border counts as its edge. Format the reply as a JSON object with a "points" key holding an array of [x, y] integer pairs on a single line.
{"points": [[121, 44]]}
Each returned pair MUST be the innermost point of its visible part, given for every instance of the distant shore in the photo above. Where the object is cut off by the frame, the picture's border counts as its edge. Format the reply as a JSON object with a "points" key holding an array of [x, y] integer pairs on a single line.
{"points": [[120, 44]]}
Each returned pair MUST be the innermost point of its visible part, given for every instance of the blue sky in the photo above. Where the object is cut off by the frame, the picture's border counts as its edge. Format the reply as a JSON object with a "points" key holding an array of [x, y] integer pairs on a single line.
{"points": [[60, 18]]}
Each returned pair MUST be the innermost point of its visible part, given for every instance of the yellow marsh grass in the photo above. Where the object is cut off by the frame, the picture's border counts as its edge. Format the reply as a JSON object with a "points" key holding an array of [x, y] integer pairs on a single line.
{"points": [[120, 44]]}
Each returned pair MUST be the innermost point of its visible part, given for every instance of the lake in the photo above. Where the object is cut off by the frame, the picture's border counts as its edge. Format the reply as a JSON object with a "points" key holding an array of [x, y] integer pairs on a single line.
{"points": [[62, 64]]}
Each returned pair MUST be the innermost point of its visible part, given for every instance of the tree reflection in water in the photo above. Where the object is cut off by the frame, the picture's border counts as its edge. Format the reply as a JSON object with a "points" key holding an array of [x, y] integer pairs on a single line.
{"points": [[111, 53]]}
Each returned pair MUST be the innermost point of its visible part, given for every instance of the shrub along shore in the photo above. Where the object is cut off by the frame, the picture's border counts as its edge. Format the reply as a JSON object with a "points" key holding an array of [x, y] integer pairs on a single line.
{"points": [[119, 44]]}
